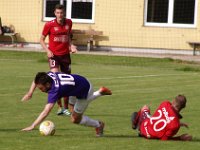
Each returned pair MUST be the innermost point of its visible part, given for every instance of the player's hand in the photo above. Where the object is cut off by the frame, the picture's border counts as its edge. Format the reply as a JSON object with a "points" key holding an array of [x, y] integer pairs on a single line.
{"points": [[186, 137], [73, 48], [26, 97], [49, 54], [28, 128], [184, 125]]}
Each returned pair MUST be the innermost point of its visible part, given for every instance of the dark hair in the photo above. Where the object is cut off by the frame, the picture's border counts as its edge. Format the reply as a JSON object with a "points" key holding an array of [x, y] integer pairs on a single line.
{"points": [[59, 6], [42, 78], [181, 101]]}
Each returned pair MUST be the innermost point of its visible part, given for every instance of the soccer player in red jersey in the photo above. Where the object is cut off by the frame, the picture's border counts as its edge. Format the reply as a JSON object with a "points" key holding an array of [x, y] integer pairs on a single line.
{"points": [[58, 51], [164, 123]]}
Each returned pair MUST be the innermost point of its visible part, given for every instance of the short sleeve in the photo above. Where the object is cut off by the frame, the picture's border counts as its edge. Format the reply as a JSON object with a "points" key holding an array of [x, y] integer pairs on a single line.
{"points": [[52, 97], [69, 22], [71, 25], [46, 29]]}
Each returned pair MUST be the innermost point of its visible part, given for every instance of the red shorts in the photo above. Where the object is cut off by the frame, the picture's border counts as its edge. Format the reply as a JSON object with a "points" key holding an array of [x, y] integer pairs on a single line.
{"points": [[143, 114], [63, 62]]}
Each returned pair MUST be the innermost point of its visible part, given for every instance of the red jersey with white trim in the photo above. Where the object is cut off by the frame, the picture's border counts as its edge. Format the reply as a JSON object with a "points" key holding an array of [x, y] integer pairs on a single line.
{"points": [[163, 124], [58, 36]]}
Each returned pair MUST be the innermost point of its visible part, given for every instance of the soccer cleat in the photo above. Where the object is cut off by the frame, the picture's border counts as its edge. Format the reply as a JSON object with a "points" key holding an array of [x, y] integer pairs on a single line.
{"points": [[66, 112], [105, 91], [60, 111], [145, 108], [134, 120], [99, 130]]}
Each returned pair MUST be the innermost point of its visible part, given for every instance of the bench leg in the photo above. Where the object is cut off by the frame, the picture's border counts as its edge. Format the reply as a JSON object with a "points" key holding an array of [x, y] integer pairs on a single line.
{"points": [[89, 45], [13, 38], [194, 50]]}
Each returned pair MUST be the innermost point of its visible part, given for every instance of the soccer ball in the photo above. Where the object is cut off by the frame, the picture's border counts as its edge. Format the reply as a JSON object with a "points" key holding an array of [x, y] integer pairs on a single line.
{"points": [[47, 128]]}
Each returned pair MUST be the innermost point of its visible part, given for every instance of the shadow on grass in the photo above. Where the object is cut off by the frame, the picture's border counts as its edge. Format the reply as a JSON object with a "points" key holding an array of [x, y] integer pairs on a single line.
{"points": [[188, 69], [10, 130], [195, 140], [120, 136], [107, 115], [138, 137]]}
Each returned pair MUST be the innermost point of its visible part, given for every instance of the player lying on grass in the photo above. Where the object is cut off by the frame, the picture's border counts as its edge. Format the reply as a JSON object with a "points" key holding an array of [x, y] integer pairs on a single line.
{"points": [[80, 92], [164, 123]]}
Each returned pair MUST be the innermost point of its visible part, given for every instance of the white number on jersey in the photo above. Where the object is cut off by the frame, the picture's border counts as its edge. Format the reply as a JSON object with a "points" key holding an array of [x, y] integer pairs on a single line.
{"points": [[52, 75], [158, 120], [66, 79]]}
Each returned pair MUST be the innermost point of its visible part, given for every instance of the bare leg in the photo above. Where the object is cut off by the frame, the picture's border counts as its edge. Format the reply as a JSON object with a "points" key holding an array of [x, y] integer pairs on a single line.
{"points": [[66, 100]]}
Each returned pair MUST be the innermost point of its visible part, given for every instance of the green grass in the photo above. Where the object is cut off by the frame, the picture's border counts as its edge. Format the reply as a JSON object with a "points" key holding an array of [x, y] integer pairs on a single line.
{"points": [[134, 82]]}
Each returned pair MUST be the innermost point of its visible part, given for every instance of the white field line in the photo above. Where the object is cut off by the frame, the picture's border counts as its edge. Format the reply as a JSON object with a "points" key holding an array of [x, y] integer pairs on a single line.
{"points": [[12, 94], [120, 77], [125, 77], [17, 59], [142, 76], [108, 78]]}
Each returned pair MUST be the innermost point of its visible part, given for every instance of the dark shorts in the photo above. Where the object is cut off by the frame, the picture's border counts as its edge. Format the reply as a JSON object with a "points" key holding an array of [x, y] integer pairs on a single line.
{"points": [[63, 62]]}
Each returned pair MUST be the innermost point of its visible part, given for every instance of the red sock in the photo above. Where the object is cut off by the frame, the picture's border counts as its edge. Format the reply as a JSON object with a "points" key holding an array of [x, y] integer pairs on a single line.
{"points": [[66, 99]]}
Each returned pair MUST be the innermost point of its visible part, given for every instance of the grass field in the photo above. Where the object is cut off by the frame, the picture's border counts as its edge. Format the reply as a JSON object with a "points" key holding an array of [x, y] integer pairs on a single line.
{"points": [[134, 82]]}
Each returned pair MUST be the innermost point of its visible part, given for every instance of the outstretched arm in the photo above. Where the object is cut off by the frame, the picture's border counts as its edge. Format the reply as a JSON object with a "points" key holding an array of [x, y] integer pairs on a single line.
{"points": [[184, 125], [183, 137], [29, 94], [169, 135], [41, 117]]}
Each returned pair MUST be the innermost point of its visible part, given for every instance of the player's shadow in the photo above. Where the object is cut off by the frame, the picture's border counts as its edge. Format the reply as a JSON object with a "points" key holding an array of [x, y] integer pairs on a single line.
{"points": [[135, 136], [195, 140], [120, 136], [107, 115], [9, 130]]}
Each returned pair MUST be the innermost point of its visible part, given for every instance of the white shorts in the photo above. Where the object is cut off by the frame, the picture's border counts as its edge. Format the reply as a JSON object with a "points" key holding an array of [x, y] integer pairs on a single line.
{"points": [[80, 105]]}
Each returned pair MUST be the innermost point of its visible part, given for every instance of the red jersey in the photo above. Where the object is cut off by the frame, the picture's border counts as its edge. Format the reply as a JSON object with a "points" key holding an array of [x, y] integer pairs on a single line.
{"points": [[58, 36], [163, 124]]}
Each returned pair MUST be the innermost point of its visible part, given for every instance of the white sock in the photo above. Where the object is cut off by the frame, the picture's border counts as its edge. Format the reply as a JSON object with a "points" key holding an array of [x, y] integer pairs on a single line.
{"points": [[94, 95], [89, 122], [97, 94]]}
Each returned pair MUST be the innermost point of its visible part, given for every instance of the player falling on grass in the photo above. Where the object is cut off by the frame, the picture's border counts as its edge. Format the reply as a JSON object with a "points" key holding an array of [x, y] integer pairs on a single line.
{"points": [[80, 93], [59, 49], [164, 123]]}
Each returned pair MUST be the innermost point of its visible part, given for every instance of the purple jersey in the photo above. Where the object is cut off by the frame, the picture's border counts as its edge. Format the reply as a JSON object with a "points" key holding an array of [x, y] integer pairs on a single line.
{"points": [[66, 85]]}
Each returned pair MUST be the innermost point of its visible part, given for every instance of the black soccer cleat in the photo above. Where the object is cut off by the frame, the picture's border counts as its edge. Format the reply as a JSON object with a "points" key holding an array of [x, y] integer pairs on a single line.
{"points": [[134, 120]]}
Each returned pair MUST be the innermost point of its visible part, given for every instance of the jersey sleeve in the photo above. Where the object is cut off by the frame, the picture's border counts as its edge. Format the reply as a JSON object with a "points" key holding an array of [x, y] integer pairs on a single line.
{"points": [[170, 138], [170, 133], [46, 29], [52, 97], [70, 34], [69, 21]]}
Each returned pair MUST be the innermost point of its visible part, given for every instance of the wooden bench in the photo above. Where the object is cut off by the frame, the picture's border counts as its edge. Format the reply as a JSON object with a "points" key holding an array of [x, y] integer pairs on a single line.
{"points": [[195, 45], [89, 37], [13, 36]]}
